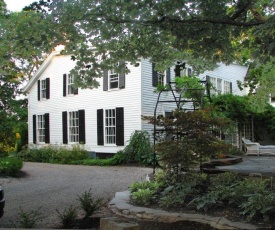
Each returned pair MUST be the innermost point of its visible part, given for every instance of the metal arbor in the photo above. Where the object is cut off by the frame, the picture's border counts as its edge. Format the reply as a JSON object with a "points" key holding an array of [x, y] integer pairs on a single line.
{"points": [[177, 98]]}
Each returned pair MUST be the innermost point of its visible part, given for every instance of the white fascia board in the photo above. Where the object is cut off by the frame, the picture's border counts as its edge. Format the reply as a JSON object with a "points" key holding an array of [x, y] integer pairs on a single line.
{"points": [[40, 70]]}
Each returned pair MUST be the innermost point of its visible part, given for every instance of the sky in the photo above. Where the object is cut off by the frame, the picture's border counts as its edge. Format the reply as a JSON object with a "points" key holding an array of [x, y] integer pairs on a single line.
{"points": [[17, 5]]}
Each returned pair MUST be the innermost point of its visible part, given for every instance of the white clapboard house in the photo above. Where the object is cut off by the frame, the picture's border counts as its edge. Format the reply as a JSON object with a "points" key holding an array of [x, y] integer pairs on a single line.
{"points": [[101, 119]]}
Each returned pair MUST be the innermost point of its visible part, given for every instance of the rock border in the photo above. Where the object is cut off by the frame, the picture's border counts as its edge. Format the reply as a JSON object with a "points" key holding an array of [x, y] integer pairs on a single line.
{"points": [[120, 205]]}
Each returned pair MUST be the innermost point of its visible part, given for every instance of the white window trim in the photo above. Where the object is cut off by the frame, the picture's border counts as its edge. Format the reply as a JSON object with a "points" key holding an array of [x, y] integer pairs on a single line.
{"points": [[70, 83], [163, 75], [70, 125], [105, 125], [43, 91], [40, 128], [113, 73]]}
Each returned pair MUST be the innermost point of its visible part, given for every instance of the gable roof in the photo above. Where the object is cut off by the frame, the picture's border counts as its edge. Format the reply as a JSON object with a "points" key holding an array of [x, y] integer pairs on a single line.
{"points": [[41, 69]]}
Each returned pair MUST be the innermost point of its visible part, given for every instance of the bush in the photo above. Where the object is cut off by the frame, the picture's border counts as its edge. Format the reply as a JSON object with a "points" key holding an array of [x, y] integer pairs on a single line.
{"points": [[10, 166], [139, 150], [28, 219], [52, 154], [68, 216], [89, 204]]}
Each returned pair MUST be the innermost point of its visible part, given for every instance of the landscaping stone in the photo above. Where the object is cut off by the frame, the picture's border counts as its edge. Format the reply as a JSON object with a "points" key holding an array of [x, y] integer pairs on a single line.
{"points": [[149, 214], [114, 223]]}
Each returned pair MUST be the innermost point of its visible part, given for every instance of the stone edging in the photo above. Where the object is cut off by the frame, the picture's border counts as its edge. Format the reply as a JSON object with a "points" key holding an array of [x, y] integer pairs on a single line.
{"points": [[120, 205]]}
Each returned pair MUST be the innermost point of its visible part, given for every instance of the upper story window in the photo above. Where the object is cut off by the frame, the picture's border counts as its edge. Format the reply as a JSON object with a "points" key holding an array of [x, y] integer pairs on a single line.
{"points": [[43, 89], [160, 78], [68, 85], [186, 72], [113, 79], [41, 128]]}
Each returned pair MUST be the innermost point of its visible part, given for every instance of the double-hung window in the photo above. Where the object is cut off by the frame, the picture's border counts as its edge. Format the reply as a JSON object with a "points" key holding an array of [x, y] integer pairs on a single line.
{"points": [[161, 78], [43, 88], [41, 128], [219, 85], [110, 126], [73, 127], [68, 85], [227, 87], [71, 89], [113, 79]]}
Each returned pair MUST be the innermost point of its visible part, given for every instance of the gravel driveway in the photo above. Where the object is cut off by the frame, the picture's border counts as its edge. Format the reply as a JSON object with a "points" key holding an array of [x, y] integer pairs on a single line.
{"points": [[52, 187]]}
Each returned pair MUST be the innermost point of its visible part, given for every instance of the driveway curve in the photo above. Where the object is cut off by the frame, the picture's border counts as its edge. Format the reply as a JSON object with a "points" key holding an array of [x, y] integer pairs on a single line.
{"points": [[51, 186]]}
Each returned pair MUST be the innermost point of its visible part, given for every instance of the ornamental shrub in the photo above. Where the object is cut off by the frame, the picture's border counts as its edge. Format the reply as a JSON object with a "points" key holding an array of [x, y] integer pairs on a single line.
{"points": [[10, 166]]}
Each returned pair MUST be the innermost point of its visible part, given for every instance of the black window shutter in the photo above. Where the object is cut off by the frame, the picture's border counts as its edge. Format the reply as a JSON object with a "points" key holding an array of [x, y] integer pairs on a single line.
{"points": [[100, 127], [47, 128], [120, 126], [47, 88], [38, 90], [81, 117], [64, 84], [208, 85], [121, 76], [76, 91], [34, 128], [65, 127], [231, 87], [105, 80], [168, 76], [154, 76], [189, 72]]}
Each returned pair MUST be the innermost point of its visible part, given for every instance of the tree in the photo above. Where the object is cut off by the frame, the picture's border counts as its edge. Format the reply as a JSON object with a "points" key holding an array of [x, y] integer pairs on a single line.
{"points": [[203, 32], [25, 37]]}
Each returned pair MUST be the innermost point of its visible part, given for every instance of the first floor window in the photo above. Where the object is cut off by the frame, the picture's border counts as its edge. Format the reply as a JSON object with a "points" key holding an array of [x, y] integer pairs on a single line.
{"points": [[41, 128], [213, 85], [219, 85], [227, 88], [110, 126], [73, 127]]}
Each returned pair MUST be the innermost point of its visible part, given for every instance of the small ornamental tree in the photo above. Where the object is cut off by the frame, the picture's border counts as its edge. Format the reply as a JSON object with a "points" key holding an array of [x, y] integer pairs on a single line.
{"points": [[189, 137]]}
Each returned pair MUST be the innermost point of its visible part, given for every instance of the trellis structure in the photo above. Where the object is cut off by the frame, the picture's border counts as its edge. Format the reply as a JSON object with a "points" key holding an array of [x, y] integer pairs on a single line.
{"points": [[179, 101]]}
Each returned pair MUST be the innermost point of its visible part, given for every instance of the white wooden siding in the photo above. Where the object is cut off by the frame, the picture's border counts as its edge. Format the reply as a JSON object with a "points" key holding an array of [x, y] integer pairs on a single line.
{"points": [[87, 99], [230, 73]]}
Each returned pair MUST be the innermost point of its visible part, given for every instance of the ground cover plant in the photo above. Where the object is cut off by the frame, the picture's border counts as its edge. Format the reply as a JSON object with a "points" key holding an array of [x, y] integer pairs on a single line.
{"points": [[241, 198]]}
